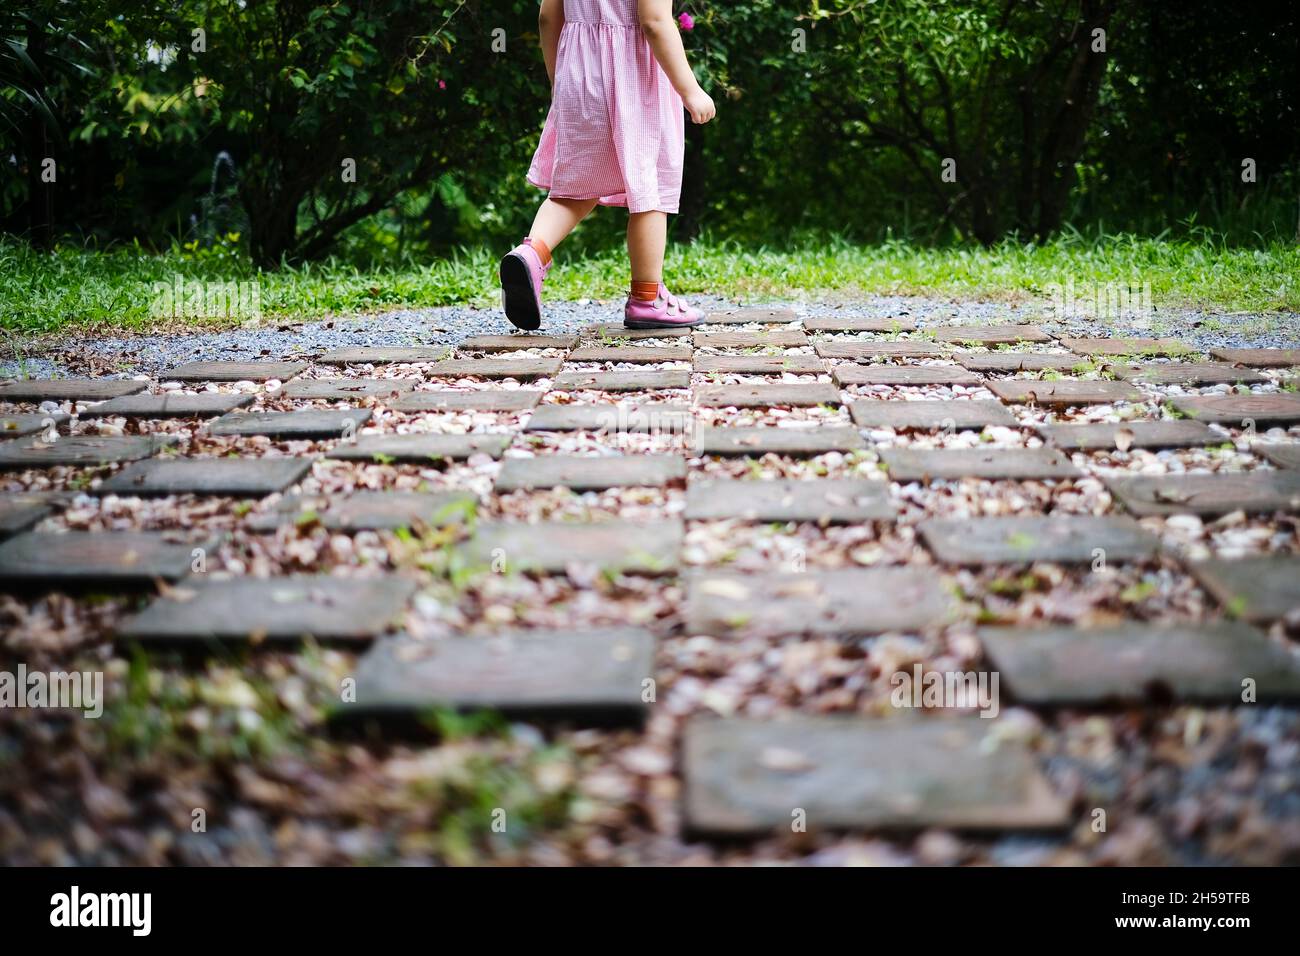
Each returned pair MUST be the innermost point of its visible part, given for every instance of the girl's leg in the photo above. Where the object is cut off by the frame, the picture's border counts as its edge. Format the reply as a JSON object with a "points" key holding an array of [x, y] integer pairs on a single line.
{"points": [[555, 219], [524, 268], [647, 234]]}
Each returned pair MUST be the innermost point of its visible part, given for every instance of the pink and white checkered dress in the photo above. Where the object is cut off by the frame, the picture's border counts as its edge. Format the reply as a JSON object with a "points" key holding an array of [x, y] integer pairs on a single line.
{"points": [[615, 131]]}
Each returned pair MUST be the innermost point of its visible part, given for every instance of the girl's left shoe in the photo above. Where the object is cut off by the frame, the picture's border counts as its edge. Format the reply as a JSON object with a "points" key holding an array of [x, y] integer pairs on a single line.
{"points": [[522, 275], [665, 312]]}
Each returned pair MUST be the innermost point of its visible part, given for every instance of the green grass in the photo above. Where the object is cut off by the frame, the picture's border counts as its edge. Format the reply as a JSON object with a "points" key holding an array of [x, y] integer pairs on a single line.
{"points": [[77, 288]]}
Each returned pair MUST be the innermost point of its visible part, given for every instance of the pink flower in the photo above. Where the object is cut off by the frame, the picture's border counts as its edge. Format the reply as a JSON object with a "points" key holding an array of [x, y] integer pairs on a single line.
{"points": [[442, 84], [687, 21]]}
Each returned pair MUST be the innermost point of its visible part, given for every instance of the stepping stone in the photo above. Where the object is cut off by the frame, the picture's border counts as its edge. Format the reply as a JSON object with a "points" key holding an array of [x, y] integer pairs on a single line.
{"points": [[1021, 361], [631, 353], [857, 323], [552, 547], [234, 477], [22, 424], [931, 415], [798, 395], [1064, 393], [1109, 436], [824, 501], [654, 418], [1273, 409], [169, 405], [994, 464], [305, 423], [759, 364], [801, 442], [1054, 666], [772, 338], [624, 381], [846, 375], [1282, 454], [346, 389], [88, 558], [20, 510], [478, 400], [371, 355], [88, 450], [588, 473], [1261, 358], [741, 316], [1257, 492], [1127, 346], [286, 609], [594, 676], [747, 777], [845, 602], [366, 511], [612, 331], [67, 389], [496, 368], [421, 448], [863, 350], [513, 343], [1185, 373], [991, 334], [1260, 590], [1062, 539], [234, 371]]}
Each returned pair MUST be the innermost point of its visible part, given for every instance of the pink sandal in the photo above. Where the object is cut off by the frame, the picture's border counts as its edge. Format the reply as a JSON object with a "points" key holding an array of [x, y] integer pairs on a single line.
{"points": [[522, 275], [665, 312]]}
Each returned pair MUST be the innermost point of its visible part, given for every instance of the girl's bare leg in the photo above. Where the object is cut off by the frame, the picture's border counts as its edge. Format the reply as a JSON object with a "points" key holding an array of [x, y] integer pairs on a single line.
{"points": [[647, 235], [556, 218]]}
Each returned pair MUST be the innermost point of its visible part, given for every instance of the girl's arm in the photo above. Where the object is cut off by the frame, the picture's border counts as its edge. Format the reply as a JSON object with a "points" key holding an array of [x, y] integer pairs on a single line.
{"points": [[550, 21], [660, 29]]}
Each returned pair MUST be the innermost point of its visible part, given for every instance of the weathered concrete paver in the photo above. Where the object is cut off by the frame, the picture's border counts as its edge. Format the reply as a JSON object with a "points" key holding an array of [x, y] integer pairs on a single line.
{"points": [[22, 510], [67, 389], [169, 405], [22, 424], [864, 350], [1208, 494], [512, 343], [1064, 392], [745, 777], [767, 395], [89, 558], [589, 473], [1107, 436], [650, 418], [624, 381], [759, 364], [305, 423], [233, 371], [824, 501], [857, 323], [380, 355], [846, 375], [1020, 539], [553, 547], [1020, 361], [1281, 454], [522, 368], [613, 332], [420, 447], [234, 477], [85, 450], [1015, 464], [1264, 410], [482, 400], [1128, 346], [772, 338], [803, 442], [991, 334], [366, 510], [348, 389], [1186, 373], [1256, 589], [929, 415], [742, 316], [632, 354], [1260, 358]]}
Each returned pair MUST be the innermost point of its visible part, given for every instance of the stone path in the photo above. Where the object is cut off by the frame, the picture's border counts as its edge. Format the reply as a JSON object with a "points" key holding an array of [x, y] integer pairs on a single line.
{"points": [[766, 521]]}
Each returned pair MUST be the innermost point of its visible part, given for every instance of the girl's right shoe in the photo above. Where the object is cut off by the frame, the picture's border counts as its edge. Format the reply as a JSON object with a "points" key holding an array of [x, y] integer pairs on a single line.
{"points": [[522, 275], [665, 312]]}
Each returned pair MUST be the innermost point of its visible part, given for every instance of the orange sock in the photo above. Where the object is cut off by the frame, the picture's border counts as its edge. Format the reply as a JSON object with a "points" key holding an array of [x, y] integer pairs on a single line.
{"points": [[645, 291], [542, 249]]}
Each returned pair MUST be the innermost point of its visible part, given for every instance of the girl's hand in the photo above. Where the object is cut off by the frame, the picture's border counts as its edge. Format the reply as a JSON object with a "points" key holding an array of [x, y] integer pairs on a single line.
{"points": [[700, 105]]}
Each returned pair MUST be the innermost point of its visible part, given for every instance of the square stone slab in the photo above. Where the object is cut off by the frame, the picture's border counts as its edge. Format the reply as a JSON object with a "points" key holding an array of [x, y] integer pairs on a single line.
{"points": [[1021, 361], [552, 547], [846, 375], [233, 371], [844, 602], [87, 450], [304, 423], [802, 442], [513, 343], [824, 501], [991, 334], [1013, 464], [421, 447], [496, 368], [378, 355], [770, 338], [1108, 436], [235, 477], [588, 473], [1064, 393], [1055, 666], [741, 316], [1208, 494], [604, 332], [759, 364], [1279, 408], [1260, 589], [169, 405], [285, 609], [857, 323], [20, 510], [346, 389], [623, 381], [931, 415], [864, 350], [1282, 454], [1185, 373], [745, 777], [639, 354], [22, 424], [1261, 358], [366, 510], [87, 558], [1063, 539], [775, 395], [1127, 346], [592, 676], [67, 389], [652, 418], [478, 400]]}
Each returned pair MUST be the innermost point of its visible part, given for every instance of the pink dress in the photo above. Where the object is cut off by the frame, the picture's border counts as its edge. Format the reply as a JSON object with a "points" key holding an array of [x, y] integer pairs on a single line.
{"points": [[615, 131]]}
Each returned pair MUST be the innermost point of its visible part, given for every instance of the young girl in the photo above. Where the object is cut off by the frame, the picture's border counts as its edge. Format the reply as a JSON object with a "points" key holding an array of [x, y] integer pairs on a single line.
{"points": [[615, 136]]}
